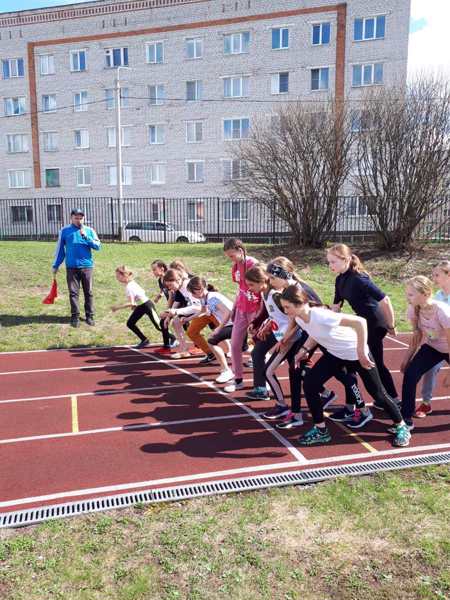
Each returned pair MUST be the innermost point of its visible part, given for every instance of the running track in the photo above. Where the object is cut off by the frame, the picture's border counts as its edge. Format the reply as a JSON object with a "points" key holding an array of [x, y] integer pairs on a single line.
{"points": [[99, 422]]}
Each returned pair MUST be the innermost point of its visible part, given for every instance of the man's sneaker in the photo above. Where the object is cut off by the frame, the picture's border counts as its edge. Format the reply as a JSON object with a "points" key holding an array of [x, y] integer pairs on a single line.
{"points": [[423, 410], [359, 419], [402, 436], [327, 397], [75, 322], [233, 386], [316, 435], [342, 416], [142, 344], [225, 376], [290, 421], [258, 393], [209, 358], [410, 427], [278, 412], [90, 321]]}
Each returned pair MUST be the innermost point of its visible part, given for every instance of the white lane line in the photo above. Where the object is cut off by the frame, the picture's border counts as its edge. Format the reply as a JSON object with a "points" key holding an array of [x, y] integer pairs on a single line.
{"points": [[71, 349], [124, 428], [82, 368], [214, 474], [388, 337], [286, 443]]}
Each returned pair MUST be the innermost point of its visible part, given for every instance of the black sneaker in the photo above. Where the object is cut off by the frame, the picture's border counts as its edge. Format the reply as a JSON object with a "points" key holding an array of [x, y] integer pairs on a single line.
{"points": [[278, 412], [142, 344], [75, 322], [342, 416], [209, 358], [90, 321]]}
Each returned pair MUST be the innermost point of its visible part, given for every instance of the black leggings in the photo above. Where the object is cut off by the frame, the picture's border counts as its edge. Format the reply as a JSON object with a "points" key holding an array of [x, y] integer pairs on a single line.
{"points": [[425, 359], [147, 308], [259, 352], [330, 366], [168, 338], [375, 336]]}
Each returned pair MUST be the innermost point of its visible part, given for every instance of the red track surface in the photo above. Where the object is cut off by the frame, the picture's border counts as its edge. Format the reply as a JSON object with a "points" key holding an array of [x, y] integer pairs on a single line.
{"points": [[87, 423]]}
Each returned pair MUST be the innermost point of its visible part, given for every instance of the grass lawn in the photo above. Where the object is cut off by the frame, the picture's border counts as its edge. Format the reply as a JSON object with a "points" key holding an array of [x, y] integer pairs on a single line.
{"points": [[369, 538]]}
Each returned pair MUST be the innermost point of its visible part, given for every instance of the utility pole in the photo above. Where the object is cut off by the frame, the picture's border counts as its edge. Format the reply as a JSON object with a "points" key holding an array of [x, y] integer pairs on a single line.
{"points": [[119, 153]]}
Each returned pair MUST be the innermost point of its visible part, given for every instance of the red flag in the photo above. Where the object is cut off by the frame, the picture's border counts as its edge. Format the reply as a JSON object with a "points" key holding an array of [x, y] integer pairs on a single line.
{"points": [[52, 295]]}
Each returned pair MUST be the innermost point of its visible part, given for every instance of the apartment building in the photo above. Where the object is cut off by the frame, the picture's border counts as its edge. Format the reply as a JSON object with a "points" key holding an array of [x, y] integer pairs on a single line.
{"points": [[195, 75]]}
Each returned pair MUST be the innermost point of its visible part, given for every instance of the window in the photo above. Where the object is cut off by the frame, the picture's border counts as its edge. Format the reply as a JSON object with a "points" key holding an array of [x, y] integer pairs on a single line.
{"points": [[110, 97], [81, 138], [22, 214], [126, 175], [116, 57], [193, 90], [14, 106], [78, 60], [13, 67], [235, 87], [355, 207], [235, 210], [236, 43], [319, 78], [111, 136], [371, 74], [155, 53], [54, 213], [157, 134], [80, 101], [20, 178], [233, 169], [194, 48], [280, 38], [321, 34], [280, 83], [196, 210], [50, 141], [83, 176], [194, 131], [236, 129], [371, 28], [157, 94], [49, 103], [17, 142], [157, 177], [195, 171], [46, 64], [52, 178]]}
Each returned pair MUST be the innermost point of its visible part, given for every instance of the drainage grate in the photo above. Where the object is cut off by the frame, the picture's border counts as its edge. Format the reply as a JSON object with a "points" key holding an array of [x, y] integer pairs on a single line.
{"points": [[36, 515]]}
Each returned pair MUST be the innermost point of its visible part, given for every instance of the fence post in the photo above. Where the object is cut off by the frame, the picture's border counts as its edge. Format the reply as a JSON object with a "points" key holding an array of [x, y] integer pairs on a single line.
{"points": [[164, 219], [218, 218], [273, 223], [111, 210]]}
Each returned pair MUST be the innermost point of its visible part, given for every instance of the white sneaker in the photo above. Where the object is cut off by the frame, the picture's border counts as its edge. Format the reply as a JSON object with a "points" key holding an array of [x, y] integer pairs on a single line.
{"points": [[225, 376], [233, 386]]}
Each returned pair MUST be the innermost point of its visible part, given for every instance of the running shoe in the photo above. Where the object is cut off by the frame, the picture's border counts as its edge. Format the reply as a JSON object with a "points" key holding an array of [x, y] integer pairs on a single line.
{"points": [[209, 358], [402, 436], [142, 344], [290, 421], [178, 355], [225, 376], [344, 415], [359, 419], [233, 387], [423, 410], [316, 435], [258, 393], [277, 412], [393, 429]]}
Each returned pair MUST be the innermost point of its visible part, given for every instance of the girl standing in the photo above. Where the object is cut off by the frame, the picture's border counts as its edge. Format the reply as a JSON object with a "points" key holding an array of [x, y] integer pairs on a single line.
{"points": [[159, 268], [368, 301], [138, 301], [441, 277], [245, 308], [430, 343], [343, 340]]}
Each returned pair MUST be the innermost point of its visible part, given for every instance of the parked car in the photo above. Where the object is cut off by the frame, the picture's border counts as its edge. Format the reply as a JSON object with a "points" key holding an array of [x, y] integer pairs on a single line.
{"points": [[156, 231]]}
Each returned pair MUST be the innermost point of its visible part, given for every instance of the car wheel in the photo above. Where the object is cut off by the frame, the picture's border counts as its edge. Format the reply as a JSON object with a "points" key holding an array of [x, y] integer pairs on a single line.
{"points": [[182, 240], [134, 238]]}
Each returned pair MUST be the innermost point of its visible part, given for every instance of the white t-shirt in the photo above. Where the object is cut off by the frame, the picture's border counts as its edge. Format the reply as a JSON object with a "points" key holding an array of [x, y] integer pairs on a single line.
{"points": [[324, 326], [217, 305], [135, 293]]}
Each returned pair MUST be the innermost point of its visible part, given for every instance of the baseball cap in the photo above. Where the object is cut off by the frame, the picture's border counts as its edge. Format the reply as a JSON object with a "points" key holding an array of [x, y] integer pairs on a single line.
{"points": [[77, 211]]}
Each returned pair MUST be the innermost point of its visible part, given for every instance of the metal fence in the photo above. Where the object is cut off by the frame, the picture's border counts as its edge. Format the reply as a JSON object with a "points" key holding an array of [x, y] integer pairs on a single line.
{"points": [[191, 219]]}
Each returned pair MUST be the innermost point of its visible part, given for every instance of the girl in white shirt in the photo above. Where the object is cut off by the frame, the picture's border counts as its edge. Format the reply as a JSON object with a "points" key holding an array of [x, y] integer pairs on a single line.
{"points": [[343, 340], [138, 301]]}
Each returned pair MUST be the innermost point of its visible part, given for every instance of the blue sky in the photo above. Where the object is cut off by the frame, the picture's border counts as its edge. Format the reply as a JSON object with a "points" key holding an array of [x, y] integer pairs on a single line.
{"points": [[429, 46]]}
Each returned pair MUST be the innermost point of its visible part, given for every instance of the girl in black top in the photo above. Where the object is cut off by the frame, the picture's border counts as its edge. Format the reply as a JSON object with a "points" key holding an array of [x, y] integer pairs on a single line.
{"points": [[159, 269], [367, 300]]}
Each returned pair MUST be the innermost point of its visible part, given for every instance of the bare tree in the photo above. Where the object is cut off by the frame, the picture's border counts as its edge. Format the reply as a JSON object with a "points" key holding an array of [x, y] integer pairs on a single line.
{"points": [[402, 157], [296, 165]]}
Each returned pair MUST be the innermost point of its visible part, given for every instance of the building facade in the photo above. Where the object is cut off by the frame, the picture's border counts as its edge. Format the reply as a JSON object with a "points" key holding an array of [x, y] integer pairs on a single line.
{"points": [[196, 74]]}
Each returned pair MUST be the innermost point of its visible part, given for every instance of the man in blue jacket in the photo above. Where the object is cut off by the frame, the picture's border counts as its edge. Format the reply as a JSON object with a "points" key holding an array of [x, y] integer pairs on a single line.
{"points": [[75, 245]]}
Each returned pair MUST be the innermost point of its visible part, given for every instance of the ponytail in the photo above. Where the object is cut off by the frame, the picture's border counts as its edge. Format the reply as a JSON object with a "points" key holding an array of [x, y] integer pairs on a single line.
{"points": [[344, 252], [197, 282]]}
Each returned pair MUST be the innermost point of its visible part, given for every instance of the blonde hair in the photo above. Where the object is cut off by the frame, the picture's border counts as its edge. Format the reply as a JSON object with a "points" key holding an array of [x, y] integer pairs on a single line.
{"points": [[125, 271], [344, 252], [421, 285], [179, 265]]}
